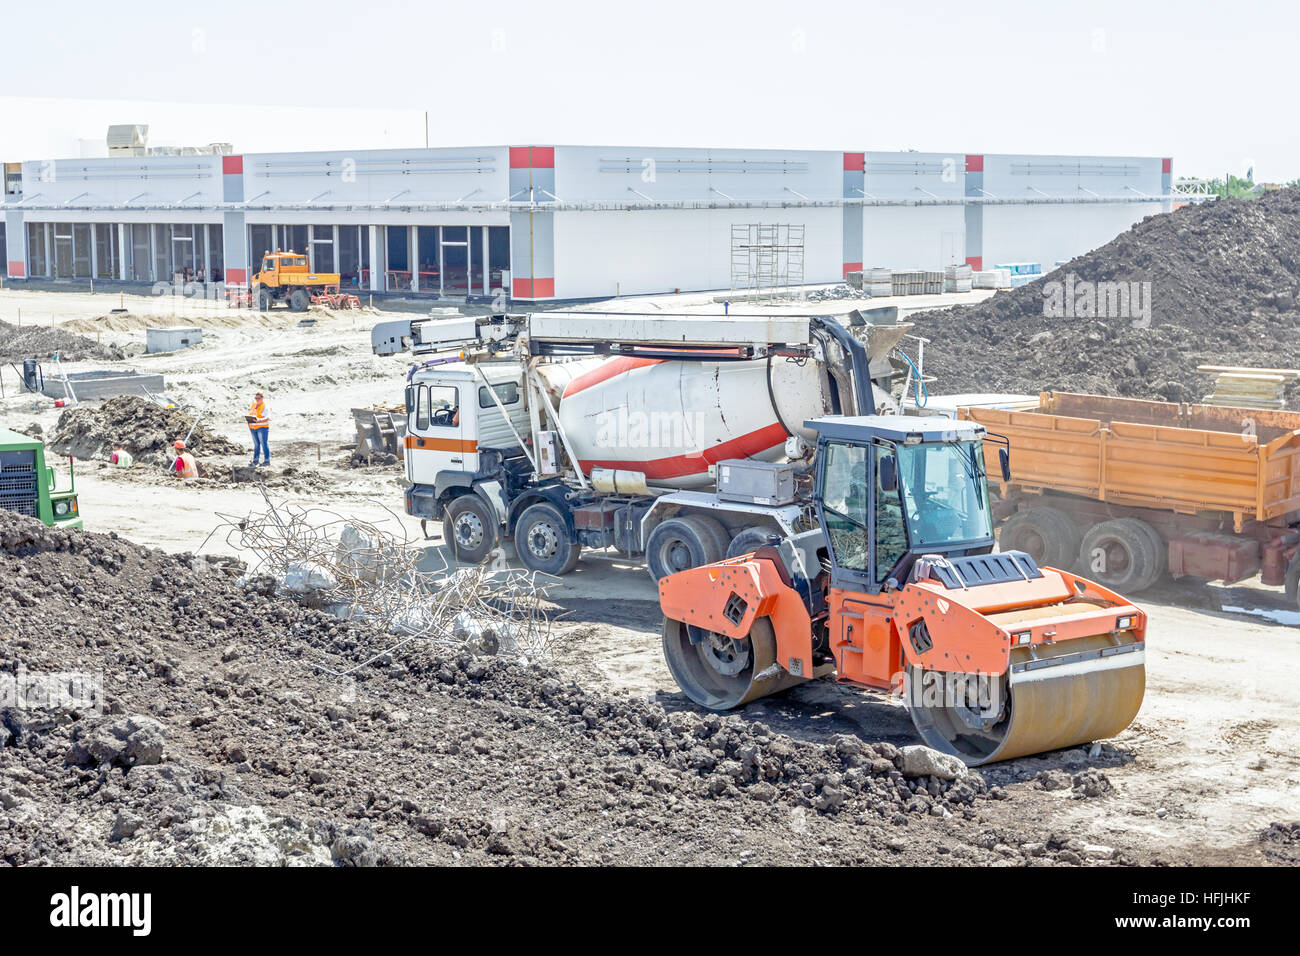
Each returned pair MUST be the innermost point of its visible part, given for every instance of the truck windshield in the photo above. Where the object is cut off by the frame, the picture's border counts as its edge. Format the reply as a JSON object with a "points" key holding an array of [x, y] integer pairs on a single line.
{"points": [[944, 492]]}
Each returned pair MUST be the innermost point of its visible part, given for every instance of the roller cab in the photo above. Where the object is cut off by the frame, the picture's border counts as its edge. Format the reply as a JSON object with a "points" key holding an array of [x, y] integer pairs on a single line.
{"points": [[900, 591]]}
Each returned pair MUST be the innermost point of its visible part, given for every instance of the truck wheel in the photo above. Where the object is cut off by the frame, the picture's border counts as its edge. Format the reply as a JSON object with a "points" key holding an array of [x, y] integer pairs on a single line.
{"points": [[543, 542], [298, 300], [1048, 535], [1118, 555], [750, 540], [469, 529], [1160, 551], [681, 543], [263, 300], [1293, 580]]}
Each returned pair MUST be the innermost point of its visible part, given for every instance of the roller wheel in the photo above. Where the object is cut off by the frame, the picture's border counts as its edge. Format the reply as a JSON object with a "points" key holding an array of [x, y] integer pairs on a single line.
{"points": [[681, 543], [298, 300], [982, 718], [543, 541], [1118, 554], [469, 529], [1048, 535], [750, 540], [717, 672]]}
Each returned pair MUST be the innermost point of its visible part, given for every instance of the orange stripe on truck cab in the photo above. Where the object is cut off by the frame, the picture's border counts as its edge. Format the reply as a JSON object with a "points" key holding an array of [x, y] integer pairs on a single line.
{"points": [[420, 443]]}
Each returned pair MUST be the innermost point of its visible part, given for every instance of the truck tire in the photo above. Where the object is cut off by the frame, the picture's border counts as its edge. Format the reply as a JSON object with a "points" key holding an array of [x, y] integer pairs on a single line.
{"points": [[543, 541], [1119, 555], [263, 300], [469, 529], [1160, 550], [681, 543], [1048, 535], [298, 300], [715, 528], [750, 540], [1292, 581]]}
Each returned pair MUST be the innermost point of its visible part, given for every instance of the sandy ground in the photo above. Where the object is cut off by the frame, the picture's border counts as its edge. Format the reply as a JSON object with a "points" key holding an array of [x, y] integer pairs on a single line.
{"points": [[1213, 751]]}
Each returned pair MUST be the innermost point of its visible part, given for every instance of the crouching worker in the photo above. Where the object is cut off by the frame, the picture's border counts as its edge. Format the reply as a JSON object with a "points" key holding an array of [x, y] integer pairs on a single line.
{"points": [[121, 457], [185, 466]]}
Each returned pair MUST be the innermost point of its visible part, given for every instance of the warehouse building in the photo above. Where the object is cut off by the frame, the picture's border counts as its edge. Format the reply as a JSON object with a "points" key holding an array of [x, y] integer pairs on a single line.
{"points": [[558, 222]]}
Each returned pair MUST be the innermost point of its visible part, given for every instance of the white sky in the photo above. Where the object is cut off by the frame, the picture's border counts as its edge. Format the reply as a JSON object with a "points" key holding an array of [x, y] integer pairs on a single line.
{"points": [[1210, 84]]}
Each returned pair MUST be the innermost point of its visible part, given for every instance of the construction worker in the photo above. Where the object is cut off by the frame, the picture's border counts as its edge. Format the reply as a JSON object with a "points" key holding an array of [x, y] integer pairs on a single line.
{"points": [[121, 457], [185, 466], [260, 426]]}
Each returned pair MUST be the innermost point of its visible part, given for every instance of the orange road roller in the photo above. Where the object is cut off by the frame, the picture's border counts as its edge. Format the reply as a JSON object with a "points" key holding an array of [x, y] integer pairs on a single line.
{"points": [[898, 589]]}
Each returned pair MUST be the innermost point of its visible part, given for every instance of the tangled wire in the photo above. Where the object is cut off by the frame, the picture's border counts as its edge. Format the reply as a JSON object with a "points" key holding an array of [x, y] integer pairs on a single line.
{"points": [[368, 575]]}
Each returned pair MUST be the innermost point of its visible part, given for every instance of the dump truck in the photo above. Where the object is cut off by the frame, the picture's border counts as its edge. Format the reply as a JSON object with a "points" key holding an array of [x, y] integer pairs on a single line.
{"points": [[30, 487], [1128, 490], [677, 438], [286, 277], [898, 590]]}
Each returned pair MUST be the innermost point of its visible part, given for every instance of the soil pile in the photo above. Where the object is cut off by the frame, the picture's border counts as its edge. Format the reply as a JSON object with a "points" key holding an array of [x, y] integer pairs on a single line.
{"points": [[221, 738], [144, 429], [1224, 286], [42, 342]]}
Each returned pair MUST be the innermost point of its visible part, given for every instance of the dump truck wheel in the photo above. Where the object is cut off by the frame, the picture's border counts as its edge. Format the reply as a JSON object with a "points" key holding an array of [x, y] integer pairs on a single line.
{"points": [[1118, 555], [298, 300], [469, 529], [750, 540], [1160, 551], [543, 542], [1048, 535], [680, 543]]}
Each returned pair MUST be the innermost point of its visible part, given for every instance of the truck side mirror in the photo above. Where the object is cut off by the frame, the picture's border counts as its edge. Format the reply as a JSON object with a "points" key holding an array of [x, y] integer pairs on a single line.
{"points": [[888, 473], [1004, 460]]}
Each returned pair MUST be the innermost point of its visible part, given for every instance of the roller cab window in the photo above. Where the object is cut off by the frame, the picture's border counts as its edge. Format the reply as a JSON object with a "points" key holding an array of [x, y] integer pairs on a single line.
{"points": [[945, 493], [844, 504]]}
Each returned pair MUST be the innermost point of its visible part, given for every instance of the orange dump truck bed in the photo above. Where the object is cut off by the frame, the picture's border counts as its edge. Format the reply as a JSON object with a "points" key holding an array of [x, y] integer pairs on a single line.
{"points": [[1182, 458]]}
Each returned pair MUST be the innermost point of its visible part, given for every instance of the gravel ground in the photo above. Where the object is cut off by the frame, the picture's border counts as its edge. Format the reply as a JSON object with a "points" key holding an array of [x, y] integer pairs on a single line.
{"points": [[222, 741]]}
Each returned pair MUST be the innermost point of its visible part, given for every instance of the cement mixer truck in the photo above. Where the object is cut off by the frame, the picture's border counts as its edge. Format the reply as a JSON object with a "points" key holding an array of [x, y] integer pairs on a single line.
{"points": [[677, 438]]}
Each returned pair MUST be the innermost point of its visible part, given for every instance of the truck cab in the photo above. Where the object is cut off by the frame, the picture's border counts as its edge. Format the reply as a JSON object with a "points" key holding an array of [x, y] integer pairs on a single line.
{"points": [[459, 433], [30, 487], [287, 277]]}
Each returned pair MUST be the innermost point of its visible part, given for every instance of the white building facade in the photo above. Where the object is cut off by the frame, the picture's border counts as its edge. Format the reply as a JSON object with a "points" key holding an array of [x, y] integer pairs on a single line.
{"points": [[547, 223]]}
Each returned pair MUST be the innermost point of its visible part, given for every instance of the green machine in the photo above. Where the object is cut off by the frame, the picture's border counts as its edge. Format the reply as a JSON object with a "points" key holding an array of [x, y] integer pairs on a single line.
{"points": [[27, 485]]}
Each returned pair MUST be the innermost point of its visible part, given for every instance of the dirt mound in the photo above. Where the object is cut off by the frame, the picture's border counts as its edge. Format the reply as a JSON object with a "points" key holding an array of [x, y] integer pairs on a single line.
{"points": [[217, 736], [1224, 284], [145, 430], [32, 341]]}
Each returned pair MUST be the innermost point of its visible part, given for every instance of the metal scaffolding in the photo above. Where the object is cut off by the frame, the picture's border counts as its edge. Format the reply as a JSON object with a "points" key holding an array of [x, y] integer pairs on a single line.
{"points": [[767, 260]]}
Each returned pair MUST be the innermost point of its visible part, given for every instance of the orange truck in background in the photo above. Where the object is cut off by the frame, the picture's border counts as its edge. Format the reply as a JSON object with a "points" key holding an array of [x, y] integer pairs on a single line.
{"points": [[1124, 490], [287, 277]]}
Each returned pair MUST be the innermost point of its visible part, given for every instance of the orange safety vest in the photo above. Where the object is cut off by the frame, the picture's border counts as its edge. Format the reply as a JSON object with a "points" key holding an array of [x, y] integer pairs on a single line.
{"points": [[186, 466], [258, 410]]}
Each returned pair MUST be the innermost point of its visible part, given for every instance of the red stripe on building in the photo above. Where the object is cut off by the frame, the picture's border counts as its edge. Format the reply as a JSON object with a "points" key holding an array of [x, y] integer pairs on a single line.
{"points": [[746, 446], [851, 267], [975, 262], [532, 289], [232, 165], [1167, 165], [605, 371], [17, 270], [974, 164], [538, 157], [236, 276], [855, 161]]}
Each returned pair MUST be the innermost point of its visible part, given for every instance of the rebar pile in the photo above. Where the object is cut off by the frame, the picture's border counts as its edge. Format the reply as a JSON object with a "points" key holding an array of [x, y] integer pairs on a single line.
{"points": [[373, 577]]}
